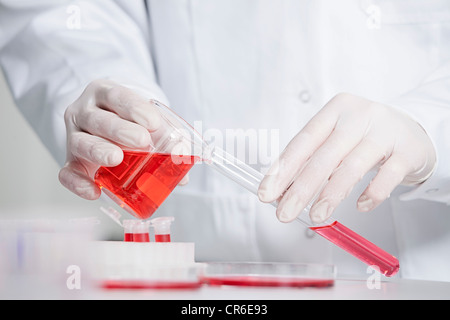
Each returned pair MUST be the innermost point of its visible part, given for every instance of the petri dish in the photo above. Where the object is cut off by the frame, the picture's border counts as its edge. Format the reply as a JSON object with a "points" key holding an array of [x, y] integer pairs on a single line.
{"points": [[164, 277], [260, 274], [149, 284]]}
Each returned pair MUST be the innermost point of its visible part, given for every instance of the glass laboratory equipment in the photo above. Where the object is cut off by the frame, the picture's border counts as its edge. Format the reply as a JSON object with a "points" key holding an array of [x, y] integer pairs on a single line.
{"points": [[136, 231], [161, 227], [262, 274], [330, 229], [145, 178], [128, 230]]}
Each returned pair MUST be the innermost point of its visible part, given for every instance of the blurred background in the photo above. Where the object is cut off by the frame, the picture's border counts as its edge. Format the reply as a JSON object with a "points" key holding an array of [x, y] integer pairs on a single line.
{"points": [[29, 186]]}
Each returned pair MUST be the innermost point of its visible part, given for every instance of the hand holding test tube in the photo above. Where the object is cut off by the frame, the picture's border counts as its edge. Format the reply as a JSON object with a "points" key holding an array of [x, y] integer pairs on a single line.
{"points": [[330, 229], [349, 137], [194, 147]]}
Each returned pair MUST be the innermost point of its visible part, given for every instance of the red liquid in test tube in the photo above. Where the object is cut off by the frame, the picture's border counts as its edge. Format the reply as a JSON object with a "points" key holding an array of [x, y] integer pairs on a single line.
{"points": [[141, 237], [162, 228], [136, 237], [162, 237], [144, 180], [136, 231], [128, 237], [360, 247]]}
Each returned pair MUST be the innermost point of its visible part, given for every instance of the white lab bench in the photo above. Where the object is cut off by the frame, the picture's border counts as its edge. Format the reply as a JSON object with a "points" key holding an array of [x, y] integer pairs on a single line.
{"points": [[18, 286], [343, 289]]}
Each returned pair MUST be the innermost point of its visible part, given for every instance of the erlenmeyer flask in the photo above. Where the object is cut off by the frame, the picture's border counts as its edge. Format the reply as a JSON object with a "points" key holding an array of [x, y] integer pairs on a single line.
{"points": [[145, 178]]}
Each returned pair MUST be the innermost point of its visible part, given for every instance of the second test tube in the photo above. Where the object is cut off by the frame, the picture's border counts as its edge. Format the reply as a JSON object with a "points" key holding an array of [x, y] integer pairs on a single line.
{"points": [[161, 226], [136, 231]]}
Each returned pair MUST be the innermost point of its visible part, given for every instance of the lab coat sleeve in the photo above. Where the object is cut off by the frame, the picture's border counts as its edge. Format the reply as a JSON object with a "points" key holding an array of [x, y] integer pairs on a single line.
{"points": [[51, 49], [429, 104]]}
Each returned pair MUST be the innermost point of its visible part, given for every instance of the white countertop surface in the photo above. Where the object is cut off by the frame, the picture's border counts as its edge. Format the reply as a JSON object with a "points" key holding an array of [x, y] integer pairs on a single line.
{"points": [[399, 289]]}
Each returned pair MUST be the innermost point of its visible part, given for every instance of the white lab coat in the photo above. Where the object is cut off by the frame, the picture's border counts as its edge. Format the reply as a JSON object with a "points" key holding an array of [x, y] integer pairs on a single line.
{"points": [[252, 64]]}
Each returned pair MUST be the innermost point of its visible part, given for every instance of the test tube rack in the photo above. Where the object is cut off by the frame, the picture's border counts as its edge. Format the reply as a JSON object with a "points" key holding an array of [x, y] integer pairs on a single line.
{"points": [[118, 260]]}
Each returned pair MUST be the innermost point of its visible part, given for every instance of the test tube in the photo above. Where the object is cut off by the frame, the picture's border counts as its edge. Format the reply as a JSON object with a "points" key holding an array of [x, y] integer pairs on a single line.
{"points": [[161, 226], [128, 230], [141, 231], [136, 231], [331, 229]]}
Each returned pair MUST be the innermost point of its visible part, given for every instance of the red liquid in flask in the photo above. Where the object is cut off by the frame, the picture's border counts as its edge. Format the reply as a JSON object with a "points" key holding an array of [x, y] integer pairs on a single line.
{"points": [[144, 180], [361, 248]]}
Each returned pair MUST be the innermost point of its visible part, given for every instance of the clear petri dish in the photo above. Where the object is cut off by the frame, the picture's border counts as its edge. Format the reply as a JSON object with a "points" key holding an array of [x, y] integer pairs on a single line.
{"points": [[256, 274], [164, 277], [149, 284]]}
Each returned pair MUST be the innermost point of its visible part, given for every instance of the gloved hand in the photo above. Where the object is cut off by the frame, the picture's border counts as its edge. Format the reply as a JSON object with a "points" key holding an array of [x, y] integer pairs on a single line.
{"points": [[105, 116], [342, 142]]}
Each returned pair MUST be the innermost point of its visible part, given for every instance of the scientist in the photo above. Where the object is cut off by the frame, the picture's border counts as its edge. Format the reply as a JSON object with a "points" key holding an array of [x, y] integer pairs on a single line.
{"points": [[82, 73]]}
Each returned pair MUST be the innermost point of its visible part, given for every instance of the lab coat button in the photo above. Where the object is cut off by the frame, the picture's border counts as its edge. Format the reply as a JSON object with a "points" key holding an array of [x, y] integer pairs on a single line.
{"points": [[429, 191], [309, 233], [305, 96], [373, 21]]}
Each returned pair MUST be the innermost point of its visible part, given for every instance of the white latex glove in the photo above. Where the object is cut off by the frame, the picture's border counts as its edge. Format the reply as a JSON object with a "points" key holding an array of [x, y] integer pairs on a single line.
{"points": [[342, 142], [105, 116]]}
